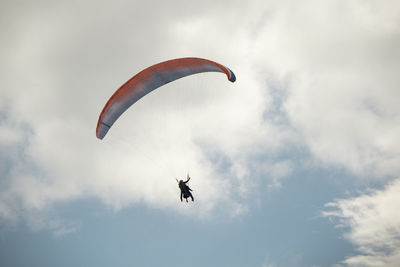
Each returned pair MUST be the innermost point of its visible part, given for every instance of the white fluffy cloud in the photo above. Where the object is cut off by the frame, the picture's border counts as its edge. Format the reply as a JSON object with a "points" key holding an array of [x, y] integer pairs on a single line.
{"points": [[339, 64], [320, 76], [60, 68], [373, 223]]}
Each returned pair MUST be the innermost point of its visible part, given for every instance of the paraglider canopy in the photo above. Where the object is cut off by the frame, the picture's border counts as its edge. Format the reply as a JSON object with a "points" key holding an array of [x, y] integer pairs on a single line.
{"points": [[150, 79]]}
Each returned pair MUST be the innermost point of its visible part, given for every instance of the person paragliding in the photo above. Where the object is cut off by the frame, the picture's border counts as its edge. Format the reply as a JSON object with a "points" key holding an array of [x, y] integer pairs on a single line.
{"points": [[185, 189], [148, 80]]}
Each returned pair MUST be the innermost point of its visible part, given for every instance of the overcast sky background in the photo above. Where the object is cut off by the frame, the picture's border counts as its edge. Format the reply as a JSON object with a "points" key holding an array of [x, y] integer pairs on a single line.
{"points": [[295, 164]]}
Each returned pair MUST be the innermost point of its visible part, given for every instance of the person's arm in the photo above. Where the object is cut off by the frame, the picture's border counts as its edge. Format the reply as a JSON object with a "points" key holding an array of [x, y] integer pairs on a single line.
{"points": [[181, 196], [188, 178]]}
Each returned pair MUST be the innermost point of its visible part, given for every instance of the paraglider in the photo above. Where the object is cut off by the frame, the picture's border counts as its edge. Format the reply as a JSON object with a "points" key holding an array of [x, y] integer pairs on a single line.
{"points": [[150, 79], [185, 189]]}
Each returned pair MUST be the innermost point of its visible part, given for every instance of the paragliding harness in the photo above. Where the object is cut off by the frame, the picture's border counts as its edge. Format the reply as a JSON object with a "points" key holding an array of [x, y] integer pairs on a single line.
{"points": [[185, 189]]}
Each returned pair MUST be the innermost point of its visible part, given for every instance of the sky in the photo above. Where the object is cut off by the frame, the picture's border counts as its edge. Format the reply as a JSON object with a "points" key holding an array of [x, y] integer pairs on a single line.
{"points": [[297, 163]]}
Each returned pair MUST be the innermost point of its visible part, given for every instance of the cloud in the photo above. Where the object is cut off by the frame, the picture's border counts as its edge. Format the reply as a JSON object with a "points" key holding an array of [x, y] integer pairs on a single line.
{"points": [[61, 66], [372, 223], [337, 66], [323, 82]]}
